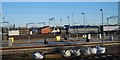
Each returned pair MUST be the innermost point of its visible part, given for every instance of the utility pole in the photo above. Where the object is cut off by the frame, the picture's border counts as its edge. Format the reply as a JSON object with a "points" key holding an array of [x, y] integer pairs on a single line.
{"points": [[69, 26], [61, 26], [84, 26], [102, 26]]}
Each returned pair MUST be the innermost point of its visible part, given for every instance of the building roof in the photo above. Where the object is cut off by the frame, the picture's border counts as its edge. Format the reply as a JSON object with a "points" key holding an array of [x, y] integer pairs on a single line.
{"points": [[44, 27], [39, 28], [82, 26]]}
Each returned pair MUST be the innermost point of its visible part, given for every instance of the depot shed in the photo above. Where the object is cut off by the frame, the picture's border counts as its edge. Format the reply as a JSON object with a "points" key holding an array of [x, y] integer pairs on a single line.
{"points": [[45, 30]]}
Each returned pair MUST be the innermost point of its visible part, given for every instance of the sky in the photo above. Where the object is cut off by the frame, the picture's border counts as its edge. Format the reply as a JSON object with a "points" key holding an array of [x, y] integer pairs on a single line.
{"points": [[60, 0], [20, 13]]}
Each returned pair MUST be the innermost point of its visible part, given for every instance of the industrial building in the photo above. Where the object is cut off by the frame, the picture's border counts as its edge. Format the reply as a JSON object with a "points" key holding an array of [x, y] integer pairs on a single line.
{"points": [[82, 29], [111, 29]]}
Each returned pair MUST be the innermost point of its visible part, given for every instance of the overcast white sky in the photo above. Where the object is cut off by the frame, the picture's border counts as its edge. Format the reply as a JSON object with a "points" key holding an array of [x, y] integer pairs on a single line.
{"points": [[60, 0]]}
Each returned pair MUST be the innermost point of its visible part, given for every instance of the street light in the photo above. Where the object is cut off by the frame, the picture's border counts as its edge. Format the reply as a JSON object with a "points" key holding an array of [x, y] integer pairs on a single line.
{"points": [[76, 30], [108, 25], [69, 26], [84, 25], [61, 22], [102, 25], [61, 26]]}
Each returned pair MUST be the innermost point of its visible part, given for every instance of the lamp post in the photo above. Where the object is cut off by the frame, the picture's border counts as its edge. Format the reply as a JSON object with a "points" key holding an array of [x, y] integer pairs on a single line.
{"points": [[102, 25], [84, 25], [54, 24], [108, 25], [76, 30], [61, 22], [61, 26], [73, 19], [69, 26]]}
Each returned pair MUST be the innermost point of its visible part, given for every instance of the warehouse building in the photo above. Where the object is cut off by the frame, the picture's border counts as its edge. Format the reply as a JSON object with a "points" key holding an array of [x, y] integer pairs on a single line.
{"points": [[82, 29]]}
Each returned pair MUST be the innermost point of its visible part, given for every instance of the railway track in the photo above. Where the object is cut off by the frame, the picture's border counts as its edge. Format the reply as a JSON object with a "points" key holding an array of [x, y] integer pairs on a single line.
{"points": [[59, 45], [24, 53], [105, 56]]}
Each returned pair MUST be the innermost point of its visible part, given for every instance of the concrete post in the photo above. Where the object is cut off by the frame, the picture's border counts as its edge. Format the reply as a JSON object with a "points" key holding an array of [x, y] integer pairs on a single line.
{"points": [[99, 36], [10, 42], [89, 36]]}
